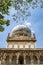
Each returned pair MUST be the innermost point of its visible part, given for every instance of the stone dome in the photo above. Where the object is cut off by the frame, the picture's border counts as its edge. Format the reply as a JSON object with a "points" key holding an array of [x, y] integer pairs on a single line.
{"points": [[22, 29]]}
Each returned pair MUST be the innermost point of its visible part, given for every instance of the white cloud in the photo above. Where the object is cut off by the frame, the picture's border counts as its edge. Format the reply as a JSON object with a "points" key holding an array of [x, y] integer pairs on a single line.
{"points": [[27, 23], [24, 0], [32, 30], [30, 26]]}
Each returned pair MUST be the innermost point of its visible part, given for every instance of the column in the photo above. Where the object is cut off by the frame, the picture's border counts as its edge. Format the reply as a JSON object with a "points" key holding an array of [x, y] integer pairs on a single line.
{"points": [[38, 56], [31, 59], [24, 60], [0, 60], [10, 59], [3, 59], [17, 58], [24, 55], [38, 61]]}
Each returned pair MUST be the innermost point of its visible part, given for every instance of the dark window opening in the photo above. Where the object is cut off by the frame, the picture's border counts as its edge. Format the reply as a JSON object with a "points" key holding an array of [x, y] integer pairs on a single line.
{"points": [[35, 60], [41, 59], [21, 60]]}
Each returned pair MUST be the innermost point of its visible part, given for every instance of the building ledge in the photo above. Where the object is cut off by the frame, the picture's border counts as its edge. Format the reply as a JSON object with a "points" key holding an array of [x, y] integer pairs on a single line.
{"points": [[32, 49]]}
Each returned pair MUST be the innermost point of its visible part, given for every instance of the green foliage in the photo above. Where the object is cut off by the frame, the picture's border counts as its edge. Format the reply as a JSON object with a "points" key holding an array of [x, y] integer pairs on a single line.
{"points": [[1, 16], [4, 9], [7, 23], [1, 28], [3, 22], [4, 6], [21, 10], [29, 1]]}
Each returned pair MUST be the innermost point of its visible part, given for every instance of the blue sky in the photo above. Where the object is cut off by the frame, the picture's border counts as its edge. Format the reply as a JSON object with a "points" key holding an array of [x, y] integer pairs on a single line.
{"points": [[36, 21]]}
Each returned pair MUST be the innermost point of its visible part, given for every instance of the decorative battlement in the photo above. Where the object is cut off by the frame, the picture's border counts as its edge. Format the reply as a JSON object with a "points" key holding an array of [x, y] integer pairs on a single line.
{"points": [[21, 38]]}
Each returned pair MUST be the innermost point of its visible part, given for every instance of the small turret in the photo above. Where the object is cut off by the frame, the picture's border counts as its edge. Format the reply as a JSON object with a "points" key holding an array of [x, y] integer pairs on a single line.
{"points": [[34, 36], [8, 36]]}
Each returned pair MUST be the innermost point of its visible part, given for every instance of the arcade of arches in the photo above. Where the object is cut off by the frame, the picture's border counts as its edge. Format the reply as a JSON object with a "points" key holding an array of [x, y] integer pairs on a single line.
{"points": [[22, 58]]}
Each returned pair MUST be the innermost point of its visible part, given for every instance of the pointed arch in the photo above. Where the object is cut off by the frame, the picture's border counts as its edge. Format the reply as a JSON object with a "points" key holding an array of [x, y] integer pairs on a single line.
{"points": [[14, 58], [35, 60], [7, 59], [28, 60], [41, 59], [21, 60]]}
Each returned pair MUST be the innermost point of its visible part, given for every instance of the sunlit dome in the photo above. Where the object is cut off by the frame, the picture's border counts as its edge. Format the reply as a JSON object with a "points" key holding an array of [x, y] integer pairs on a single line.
{"points": [[21, 28]]}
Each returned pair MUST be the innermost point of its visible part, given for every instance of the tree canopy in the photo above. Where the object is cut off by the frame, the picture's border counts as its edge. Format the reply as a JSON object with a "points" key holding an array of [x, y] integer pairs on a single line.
{"points": [[21, 8], [4, 6]]}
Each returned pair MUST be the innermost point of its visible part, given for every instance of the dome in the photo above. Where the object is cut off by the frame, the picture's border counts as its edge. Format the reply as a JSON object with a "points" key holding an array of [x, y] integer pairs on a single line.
{"points": [[21, 28]]}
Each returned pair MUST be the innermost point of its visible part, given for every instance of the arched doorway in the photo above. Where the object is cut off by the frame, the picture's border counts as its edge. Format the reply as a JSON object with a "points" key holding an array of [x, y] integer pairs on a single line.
{"points": [[7, 60], [35, 60], [21, 60], [14, 59], [41, 59], [28, 60]]}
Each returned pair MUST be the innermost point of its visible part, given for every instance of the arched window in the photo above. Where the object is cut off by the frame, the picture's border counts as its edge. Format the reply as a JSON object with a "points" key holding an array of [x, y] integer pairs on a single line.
{"points": [[41, 59], [28, 60], [21, 46], [14, 59], [15, 46], [32, 46], [26, 46], [7, 60], [21, 60], [10, 46], [35, 61]]}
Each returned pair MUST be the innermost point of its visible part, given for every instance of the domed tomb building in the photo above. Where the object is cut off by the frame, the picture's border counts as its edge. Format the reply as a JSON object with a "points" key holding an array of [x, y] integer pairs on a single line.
{"points": [[21, 37], [21, 48]]}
